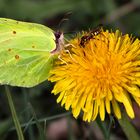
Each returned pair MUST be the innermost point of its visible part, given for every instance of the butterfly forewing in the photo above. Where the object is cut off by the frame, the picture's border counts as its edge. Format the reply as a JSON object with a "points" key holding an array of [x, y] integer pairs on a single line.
{"points": [[25, 58]]}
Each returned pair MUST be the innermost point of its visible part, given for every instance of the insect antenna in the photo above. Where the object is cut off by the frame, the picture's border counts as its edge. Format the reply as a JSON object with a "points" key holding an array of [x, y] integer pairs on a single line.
{"points": [[64, 19]]}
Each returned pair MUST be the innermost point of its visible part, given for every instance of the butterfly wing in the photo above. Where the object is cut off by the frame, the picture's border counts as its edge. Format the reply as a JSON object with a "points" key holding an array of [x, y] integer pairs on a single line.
{"points": [[25, 58]]}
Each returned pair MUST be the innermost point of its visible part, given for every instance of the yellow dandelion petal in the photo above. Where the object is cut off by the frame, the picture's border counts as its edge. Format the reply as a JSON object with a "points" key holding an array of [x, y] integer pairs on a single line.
{"points": [[128, 105], [60, 96], [89, 101], [84, 98], [102, 110], [99, 77], [77, 97], [62, 85], [109, 94], [107, 104], [117, 92], [133, 89], [70, 98], [116, 109], [136, 81], [88, 114], [137, 74], [96, 109], [75, 112], [118, 44], [137, 100], [63, 101]]}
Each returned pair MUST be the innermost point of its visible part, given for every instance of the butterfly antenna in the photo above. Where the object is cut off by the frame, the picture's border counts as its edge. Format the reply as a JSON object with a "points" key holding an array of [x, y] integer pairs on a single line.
{"points": [[65, 18], [62, 21]]}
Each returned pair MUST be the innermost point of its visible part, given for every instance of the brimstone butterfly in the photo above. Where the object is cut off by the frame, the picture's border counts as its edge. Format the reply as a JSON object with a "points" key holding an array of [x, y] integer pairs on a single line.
{"points": [[26, 52]]}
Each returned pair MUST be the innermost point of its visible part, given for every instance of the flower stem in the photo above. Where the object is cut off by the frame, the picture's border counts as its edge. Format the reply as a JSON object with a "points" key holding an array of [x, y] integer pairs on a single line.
{"points": [[128, 128], [14, 115], [103, 128]]}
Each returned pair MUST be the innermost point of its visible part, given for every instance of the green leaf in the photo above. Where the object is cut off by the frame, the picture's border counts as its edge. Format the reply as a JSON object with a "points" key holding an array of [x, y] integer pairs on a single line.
{"points": [[25, 58]]}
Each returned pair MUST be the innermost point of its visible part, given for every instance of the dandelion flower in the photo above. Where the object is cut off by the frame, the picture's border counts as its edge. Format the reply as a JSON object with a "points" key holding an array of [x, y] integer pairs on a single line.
{"points": [[99, 78]]}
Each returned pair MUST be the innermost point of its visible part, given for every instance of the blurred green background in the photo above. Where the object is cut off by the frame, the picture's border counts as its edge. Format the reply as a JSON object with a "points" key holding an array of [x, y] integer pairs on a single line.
{"points": [[36, 107]]}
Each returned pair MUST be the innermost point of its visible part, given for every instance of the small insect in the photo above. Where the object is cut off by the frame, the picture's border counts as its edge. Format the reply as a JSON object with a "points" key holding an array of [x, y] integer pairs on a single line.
{"points": [[90, 35]]}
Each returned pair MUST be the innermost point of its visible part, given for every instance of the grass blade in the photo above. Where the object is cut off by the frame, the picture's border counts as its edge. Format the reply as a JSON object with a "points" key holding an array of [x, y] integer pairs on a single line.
{"points": [[40, 129], [43, 120], [14, 115], [103, 128]]}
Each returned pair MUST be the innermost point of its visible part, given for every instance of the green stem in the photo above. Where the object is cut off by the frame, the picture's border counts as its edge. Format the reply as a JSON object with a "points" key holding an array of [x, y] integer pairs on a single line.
{"points": [[102, 128], [128, 128], [14, 115]]}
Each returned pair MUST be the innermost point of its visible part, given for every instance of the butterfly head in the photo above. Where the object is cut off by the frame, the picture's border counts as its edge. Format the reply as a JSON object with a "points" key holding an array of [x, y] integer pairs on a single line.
{"points": [[59, 40]]}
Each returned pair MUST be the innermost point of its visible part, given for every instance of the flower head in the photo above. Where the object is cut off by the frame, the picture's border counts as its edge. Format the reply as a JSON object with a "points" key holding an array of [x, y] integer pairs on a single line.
{"points": [[100, 77]]}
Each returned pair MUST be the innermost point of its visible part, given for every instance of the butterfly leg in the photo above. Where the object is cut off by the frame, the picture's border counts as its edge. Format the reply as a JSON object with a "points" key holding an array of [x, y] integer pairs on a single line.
{"points": [[67, 45], [67, 51], [59, 57]]}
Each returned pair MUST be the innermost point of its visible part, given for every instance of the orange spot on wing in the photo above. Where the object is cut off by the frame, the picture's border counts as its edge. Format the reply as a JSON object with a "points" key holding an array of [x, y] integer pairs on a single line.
{"points": [[17, 57], [9, 49], [33, 46], [14, 32]]}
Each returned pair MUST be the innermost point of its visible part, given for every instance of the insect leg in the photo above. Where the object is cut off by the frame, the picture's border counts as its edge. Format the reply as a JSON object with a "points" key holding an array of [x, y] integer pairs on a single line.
{"points": [[59, 57], [67, 51]]}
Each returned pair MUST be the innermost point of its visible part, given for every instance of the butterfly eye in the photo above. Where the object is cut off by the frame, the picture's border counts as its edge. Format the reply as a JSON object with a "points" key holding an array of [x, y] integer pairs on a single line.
{"points": [[57, 35]]}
